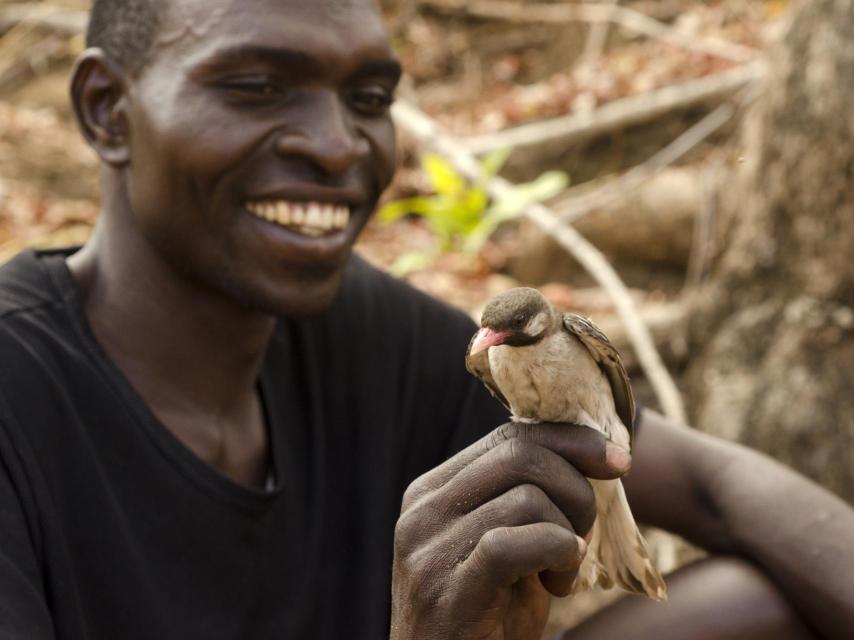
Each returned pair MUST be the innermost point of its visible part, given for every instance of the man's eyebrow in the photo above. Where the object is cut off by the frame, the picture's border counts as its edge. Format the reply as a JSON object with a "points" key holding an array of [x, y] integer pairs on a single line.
{"points": [[259, 53], [390, 68], [297, 60]]}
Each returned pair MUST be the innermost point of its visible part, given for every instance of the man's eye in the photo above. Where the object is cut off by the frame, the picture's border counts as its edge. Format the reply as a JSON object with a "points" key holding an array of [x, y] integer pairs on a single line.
{"points": [[259, 88], [372, 101]]}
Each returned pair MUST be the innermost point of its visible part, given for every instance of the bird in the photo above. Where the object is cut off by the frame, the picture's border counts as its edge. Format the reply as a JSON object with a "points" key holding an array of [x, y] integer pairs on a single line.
{"points": [[548, 366]]}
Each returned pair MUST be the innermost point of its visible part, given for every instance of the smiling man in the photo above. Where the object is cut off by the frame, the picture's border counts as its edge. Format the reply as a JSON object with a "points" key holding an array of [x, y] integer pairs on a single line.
{"points": [[210, 413]]}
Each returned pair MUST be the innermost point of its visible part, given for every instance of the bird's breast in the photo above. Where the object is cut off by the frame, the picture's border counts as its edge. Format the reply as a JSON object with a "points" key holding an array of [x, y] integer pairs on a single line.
{"points": [[553, 380]]}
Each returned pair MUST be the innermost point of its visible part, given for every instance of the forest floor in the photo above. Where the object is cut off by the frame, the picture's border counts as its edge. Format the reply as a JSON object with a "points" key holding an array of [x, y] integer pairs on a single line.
{"points": [[478, 69]]}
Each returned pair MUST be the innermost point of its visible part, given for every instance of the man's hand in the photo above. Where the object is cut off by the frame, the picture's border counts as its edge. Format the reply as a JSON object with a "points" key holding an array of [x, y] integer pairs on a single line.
{"points": [[484, 539]]}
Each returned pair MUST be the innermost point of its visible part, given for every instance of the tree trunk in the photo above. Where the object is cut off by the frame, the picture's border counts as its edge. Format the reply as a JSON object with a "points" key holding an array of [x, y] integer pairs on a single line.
{"points": [[774, 328]]}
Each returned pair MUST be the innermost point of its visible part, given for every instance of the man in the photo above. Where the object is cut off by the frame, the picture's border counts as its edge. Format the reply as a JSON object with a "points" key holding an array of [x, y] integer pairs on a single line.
{"points": [[209, 414]]}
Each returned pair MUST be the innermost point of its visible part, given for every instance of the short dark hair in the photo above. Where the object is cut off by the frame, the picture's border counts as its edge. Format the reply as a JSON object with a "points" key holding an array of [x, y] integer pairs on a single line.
{"points": [[124, 29]]}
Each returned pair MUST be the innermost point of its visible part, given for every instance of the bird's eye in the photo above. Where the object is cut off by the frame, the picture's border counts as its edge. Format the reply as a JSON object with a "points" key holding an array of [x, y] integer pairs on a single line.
{"points": [[519, 321]]}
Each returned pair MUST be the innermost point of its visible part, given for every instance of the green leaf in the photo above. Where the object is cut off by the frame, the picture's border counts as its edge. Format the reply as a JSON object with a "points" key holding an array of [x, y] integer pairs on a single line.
{"points": [[492, 163], [513, 203], [546, 186], [444, 178], [460, 215], [392, 211]]}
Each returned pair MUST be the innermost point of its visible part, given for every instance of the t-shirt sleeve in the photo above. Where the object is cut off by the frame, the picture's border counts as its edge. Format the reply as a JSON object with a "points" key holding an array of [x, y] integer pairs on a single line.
{"points": [[24, 614]]}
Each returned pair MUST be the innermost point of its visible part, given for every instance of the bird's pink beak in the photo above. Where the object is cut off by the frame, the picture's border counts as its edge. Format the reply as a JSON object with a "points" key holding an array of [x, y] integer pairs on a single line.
{"points": [[486, 338]]}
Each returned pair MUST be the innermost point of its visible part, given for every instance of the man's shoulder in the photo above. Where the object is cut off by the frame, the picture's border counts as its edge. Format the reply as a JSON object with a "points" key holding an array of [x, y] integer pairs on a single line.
{"points": [[33, 323], [25, 285]]}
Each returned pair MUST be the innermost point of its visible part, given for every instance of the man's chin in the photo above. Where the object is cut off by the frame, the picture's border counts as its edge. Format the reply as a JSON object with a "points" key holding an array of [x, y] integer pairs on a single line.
{"points": [[302, 299]]}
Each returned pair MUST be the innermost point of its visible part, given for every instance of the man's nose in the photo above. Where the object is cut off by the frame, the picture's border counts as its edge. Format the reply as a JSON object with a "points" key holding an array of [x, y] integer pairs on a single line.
{"points": [[325, 135]]}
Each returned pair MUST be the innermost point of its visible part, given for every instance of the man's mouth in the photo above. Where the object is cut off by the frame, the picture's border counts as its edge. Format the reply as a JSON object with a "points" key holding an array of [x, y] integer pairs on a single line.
{"points": [[313, 219]]}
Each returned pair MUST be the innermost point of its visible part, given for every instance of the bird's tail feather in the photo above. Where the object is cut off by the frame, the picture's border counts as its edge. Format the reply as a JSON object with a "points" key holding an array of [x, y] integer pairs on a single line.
{"points": [[617, 552]]}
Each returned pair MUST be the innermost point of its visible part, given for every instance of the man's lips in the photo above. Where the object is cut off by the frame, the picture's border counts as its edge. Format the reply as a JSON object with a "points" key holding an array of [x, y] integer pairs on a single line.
{"points": [[307, 218], [486, 338], [308, 233]]}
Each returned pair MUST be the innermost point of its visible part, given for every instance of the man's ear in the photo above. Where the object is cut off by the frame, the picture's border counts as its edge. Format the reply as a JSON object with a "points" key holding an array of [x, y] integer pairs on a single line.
{"points": [[98, 96]]}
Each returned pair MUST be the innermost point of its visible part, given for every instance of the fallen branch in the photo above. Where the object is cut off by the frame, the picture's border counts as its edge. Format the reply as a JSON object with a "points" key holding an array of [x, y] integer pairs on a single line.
{"points": [[36, 59], [570, 129], [661, 10], [427, 132], [595, 13], [68, 22], [666, 323], [571, 207], [597, 39], [703, 241]]}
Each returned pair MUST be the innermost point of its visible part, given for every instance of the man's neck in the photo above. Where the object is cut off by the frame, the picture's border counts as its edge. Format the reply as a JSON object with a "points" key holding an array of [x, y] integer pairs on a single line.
{"points": [[193, 357]]}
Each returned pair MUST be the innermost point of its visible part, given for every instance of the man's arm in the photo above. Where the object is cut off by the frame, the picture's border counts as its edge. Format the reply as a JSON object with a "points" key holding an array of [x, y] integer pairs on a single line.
{"points": [[719, 598], [732, 500]]}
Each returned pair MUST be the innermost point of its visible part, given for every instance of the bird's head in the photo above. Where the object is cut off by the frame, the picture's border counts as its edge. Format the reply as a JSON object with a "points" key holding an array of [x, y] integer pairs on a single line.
{"points": [[516, 318]]}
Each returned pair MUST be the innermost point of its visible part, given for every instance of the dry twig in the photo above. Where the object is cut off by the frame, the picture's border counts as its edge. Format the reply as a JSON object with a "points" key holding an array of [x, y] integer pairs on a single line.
{"points": [[427, 132], [68, 22], [587, 12], [598, 37], [22, 65], [572, 207], [619, 114]]}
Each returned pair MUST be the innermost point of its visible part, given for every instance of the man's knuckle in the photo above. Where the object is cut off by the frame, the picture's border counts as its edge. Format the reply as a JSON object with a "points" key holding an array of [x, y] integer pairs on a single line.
{"points": [[407, 532], [529, 502], [504, 433], [493, 546], [413, 492]]}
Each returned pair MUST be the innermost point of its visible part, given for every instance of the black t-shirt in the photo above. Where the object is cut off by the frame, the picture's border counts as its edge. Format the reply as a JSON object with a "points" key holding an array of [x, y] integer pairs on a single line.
{"points": [[111, 529]]}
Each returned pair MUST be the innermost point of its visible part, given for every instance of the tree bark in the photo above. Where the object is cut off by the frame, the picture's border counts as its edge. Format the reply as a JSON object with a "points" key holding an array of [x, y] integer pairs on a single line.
{"points": [[774, 325]]}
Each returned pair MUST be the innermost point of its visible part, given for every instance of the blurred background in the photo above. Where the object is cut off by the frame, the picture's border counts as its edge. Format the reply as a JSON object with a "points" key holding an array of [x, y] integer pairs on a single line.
{"points": [[679, 170]]}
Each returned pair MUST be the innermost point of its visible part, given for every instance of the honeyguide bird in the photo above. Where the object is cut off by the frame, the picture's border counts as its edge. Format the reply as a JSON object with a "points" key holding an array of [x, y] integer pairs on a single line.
{"points": [[547, 366]]}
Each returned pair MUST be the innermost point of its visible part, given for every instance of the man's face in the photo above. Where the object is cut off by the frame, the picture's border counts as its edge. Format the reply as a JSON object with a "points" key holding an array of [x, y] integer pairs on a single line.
{"points": [[260, 140]]}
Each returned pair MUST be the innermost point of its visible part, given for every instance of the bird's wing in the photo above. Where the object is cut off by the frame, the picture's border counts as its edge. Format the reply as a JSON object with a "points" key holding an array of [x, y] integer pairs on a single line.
{"points": [[478, 366], [608, 359]]}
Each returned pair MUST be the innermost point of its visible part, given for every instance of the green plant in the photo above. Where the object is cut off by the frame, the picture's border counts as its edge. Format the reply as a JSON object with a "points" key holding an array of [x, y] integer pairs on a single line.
{"points": [[460, 214]]}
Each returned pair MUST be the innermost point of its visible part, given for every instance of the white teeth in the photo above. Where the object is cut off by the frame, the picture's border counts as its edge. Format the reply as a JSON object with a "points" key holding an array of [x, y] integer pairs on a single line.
{"points": [[311, 231], [340, 217], [308, 218], [283, 213], [313, 217], [298, 215]]}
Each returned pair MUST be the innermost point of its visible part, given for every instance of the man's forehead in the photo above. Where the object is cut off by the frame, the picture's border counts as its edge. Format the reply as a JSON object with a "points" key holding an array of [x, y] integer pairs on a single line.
{"points": [[339, 10], [207, 12], [185, 20]]}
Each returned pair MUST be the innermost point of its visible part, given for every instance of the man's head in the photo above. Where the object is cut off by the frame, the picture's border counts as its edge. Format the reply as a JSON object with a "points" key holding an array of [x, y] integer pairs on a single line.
{"points": [[246, 142], [125, 30]]}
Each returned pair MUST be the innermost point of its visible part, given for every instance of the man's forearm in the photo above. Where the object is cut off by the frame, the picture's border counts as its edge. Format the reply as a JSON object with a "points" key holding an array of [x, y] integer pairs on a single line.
{"points": [[698, 595], [727, 498], [800, 534]]}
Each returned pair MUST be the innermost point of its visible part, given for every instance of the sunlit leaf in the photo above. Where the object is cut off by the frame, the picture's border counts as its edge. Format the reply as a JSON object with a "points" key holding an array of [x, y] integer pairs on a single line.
{"points": [[397, 209], [492, 163], [513, 203], [460, 215], [444, 178]]}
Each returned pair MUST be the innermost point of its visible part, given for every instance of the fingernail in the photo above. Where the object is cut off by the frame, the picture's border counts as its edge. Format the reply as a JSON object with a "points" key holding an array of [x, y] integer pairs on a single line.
{"points": [[582, 547], [617, 458]]}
